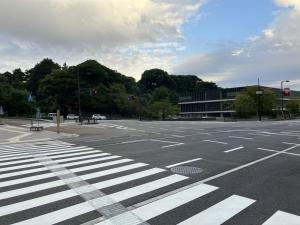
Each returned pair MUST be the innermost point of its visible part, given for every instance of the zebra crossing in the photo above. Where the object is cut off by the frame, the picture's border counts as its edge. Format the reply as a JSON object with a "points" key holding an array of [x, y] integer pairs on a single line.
{"points": [[55, 182]]}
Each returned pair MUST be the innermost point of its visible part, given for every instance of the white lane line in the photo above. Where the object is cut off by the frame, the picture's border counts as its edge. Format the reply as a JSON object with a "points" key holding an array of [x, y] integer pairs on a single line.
{"points": [[85, 207], [290, 143], [217, 142], [46, 199], [238, 137], [280, 218], [163, 141], [179, 136], [271, 150], [258, 134], [220, 212], [48, 175], [169, 146], [135, 141], [161, 206], [185, 162], [234, 149], [204, 133], [280, 134]]}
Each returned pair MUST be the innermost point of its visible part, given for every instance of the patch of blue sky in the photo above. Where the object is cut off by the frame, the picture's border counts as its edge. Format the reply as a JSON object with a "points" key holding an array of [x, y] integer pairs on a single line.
{"points": [[226, 23]]}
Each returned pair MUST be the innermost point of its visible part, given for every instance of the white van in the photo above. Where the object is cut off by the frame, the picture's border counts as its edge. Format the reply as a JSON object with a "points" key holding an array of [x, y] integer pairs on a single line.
{"points": [[51, 115]]}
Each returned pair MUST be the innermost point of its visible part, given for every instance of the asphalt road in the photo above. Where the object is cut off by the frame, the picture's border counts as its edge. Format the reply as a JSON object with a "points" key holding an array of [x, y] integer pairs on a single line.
{"points": [[132, 172]]}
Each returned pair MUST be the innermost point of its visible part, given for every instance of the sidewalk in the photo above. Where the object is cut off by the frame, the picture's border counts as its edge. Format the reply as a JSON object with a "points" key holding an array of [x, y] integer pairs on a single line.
{"points": [[13, 134]]}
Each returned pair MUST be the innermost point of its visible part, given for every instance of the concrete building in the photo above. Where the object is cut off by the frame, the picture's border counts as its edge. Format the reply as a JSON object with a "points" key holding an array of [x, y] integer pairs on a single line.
{"points": [[219, 103]]}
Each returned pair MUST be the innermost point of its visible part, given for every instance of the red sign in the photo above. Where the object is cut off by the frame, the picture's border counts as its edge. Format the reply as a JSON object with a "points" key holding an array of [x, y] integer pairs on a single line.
{"points": [[286, 92]]}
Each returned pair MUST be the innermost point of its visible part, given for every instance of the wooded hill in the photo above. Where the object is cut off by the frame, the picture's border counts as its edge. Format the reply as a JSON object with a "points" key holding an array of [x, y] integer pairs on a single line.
{"points": [[102, 90]]}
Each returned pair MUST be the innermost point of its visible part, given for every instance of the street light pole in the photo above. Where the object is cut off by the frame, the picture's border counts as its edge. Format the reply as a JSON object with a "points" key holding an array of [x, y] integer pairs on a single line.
{"points": [[79, 100], [281, 82], [259, 92]]}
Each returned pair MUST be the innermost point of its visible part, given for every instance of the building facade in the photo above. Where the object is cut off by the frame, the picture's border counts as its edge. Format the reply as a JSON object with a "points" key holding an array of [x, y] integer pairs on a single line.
{"points": [[218, 103]]}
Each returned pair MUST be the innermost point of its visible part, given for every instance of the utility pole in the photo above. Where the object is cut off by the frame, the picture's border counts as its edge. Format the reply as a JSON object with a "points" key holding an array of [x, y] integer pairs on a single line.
{"points": [[282, 103], [79, 100], [259, 93]]}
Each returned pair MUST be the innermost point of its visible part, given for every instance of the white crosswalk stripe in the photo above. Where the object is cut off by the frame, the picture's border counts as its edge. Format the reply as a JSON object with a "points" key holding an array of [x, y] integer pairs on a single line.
{"points": [[93, 170], [280, 218], [57, 151], [48, 175], [161, 206], [57, 183], [221, 212]]}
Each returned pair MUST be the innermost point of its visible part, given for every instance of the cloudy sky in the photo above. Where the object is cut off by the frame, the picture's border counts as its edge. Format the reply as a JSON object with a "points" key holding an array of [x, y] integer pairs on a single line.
{"points": [[231, 42]]}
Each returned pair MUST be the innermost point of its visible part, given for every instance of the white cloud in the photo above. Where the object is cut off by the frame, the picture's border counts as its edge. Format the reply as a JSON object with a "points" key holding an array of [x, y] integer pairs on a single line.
{"points": [[268, 33], [272, 56], [237, 52], [288, 3], [74, 30]]}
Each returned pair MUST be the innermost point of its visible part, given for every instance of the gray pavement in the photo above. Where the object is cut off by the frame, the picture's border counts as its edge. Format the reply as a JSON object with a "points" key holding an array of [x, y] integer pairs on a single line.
{"points": [[137, 172]]}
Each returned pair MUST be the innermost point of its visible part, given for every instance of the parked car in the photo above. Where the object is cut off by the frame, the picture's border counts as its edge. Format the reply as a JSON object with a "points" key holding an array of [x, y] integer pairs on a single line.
{"points": [[98, 117], [72, 117], [51, 115]]}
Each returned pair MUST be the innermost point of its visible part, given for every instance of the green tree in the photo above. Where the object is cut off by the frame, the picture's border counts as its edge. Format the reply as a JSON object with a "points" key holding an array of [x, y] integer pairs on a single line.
{"points": [[190, 83], [162, 109], [246, 102], [154, 78], [58, 90], [162, 93], [293, 106], [39, 72]]}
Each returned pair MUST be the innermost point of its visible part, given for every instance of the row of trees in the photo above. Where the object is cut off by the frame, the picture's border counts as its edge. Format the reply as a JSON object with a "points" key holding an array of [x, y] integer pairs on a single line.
{"points": [[248, 103], [102, 90]]}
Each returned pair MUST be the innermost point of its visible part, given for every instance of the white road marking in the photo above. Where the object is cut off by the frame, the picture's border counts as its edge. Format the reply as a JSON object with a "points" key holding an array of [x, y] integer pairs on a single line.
{"points": [[258, 134], [48, 175], [163, 141], [46, 199], [204, 133], [179, 136], [271, 150], [220, 212], [169, 146], [234, 149], [163, 129], [85, 207], [280, 218], [289, 143], [161, 206], [185, 162], [59, 161], [52, 184], [218, 142], [26, 155], [238, 137], [134, 141], [53, 157]]}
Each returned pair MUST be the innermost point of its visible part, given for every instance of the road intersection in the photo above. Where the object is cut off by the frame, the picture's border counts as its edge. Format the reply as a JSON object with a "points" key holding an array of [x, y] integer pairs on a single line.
{"points": [[134, 172]]}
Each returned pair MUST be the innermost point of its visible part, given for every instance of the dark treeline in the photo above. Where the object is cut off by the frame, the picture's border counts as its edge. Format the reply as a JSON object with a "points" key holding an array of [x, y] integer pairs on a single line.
{"points": [[102, 90]]}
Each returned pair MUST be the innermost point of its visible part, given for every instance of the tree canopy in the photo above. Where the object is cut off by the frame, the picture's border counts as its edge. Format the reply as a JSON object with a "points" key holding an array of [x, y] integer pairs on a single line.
{"points": [[102, 90], [246, 103]]}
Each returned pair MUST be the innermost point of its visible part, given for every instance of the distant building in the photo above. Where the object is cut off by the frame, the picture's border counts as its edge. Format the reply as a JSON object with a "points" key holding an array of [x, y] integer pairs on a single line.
{"points": [[218, 103]]}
